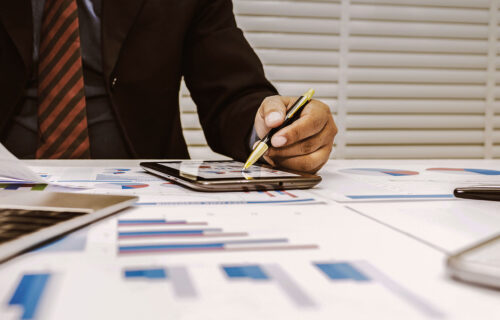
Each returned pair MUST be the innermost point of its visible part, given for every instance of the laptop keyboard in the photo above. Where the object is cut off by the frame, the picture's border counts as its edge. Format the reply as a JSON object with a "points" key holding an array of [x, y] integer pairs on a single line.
{"points": [[15, 223]]}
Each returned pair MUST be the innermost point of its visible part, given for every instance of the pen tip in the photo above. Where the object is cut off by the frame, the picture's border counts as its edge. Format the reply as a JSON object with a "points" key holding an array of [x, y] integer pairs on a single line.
{"points": [[259, 150], [309, 94]]}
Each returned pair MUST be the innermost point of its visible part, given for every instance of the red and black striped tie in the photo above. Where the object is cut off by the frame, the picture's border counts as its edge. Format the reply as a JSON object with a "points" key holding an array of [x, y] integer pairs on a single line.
{"points": [[62, 114]]}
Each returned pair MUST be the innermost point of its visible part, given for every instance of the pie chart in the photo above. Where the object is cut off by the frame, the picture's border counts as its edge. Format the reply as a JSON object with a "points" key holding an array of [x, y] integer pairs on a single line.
{"points": [[379, 172], [467, 171]]}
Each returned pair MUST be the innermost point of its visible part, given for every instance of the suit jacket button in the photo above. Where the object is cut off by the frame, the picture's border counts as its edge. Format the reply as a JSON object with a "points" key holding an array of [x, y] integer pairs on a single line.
{"points": [[114, 82]]}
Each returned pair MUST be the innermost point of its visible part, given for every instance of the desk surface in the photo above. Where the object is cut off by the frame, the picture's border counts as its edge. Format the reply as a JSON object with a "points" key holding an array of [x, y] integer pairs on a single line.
{"points": [[372, 244]]}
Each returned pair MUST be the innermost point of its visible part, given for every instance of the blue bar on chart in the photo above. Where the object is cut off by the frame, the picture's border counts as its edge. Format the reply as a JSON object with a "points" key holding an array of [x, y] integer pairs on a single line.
{"points": [[272, 273], [29, 293], [341, 271], [249, 271], [217, 246], [146, 273], [178, 276], [167, 233], [142, 222]]}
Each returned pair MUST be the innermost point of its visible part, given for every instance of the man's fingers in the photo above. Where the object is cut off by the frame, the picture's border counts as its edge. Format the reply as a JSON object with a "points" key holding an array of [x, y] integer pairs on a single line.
{"points": [[301, 129], [303, 147], [313, 119], [273, 111], [306, 163]]}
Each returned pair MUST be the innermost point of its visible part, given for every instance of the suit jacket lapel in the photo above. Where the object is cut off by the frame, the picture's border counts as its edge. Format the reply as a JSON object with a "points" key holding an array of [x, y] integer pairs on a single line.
{"points": [[118, 17], [17, 18]]}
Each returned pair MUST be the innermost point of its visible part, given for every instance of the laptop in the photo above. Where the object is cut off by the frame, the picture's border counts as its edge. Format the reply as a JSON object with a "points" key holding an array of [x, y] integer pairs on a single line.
{"points": [[29, 218]]}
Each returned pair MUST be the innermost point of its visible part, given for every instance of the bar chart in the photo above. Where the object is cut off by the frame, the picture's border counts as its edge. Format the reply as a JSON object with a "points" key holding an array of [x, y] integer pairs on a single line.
{"points": [[178, 276], [140, 236]]}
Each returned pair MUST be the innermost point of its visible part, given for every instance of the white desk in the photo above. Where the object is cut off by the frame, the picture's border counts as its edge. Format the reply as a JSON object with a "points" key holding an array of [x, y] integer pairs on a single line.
{"points": [[91, 282]]}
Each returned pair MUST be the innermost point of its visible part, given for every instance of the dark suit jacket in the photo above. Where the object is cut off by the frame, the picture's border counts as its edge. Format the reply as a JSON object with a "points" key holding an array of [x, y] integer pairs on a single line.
{"points": [[148, 45]]}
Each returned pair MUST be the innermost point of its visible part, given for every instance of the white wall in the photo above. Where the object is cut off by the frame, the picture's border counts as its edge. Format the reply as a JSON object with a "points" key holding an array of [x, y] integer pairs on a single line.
{"points": [[404, 78]]}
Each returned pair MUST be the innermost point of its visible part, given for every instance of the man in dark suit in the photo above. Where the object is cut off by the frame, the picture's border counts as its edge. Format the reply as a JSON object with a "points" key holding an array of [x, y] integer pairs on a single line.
{"points": [[101, 78]]}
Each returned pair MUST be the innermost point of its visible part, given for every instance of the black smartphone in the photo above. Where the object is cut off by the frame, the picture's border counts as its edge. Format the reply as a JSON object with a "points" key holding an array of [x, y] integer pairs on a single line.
{"points": [[228, 175]]}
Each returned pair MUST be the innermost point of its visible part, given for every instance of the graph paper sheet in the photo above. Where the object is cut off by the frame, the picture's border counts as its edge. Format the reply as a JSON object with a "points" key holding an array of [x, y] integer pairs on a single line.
{"points": [[258, 262]]}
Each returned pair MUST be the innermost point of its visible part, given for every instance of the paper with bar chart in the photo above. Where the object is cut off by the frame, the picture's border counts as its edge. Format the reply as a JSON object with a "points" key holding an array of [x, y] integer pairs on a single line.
{"points": [[257, 262]]}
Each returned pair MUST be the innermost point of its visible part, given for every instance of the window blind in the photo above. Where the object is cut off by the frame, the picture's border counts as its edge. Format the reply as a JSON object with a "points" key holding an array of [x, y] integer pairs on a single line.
{"points": [[403, 78]]}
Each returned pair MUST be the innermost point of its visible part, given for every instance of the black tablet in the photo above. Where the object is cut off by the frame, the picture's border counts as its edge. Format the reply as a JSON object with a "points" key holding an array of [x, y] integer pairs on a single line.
{"points": [[229, 176]]}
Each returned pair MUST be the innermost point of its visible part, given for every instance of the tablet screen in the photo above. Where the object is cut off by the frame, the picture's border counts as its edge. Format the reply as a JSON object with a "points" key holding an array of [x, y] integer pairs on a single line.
{"points": [[213, 170]]}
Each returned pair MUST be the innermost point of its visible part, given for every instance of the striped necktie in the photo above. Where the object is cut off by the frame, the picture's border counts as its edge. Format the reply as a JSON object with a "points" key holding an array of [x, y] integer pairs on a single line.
{"points": [[62, 114]]}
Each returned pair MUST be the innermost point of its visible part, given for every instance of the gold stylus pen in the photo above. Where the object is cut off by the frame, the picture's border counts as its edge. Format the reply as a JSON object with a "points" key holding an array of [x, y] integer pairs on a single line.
{"points": [[292, 115]]}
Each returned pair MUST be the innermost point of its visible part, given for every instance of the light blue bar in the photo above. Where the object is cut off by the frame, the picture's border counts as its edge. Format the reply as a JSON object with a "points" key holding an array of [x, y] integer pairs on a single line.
{"points": [[341, 271], [484, 171], [173, 246], [208, 245], [173, 232], [251, 271], [141, 221], [146, 273]]}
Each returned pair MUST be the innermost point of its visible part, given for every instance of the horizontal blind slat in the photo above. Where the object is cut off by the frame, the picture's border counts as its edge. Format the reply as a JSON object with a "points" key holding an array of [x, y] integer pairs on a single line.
{"points": [[417, 60], [416, 91], [414, 152], [415, 106], [388, 121], [438, 3], [292, 73], [387, 44], [416, 76], [290, 9], [190, 121], [297, 89], [418, 29], [380, 137], [195, 137], [298, 57], [285, 24], [407, 13], [292, 41]]}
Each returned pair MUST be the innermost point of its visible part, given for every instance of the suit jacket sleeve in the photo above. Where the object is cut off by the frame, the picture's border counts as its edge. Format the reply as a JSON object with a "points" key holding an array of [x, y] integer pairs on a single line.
{"points": [[225, 78]]}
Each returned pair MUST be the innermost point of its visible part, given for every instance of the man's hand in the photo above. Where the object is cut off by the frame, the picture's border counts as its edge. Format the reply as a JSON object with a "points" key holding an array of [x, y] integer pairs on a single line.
{"points": [[305, 144]]}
